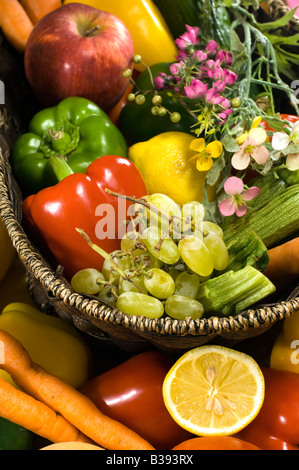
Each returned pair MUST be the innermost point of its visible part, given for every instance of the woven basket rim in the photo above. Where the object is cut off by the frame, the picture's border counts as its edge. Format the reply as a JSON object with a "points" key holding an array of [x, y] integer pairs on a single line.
{"points": [[59, 289]]}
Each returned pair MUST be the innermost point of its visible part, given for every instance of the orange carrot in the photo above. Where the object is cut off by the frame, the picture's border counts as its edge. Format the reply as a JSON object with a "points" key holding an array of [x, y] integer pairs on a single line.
{"points": [[22, 409], [15, 23], [75, 407], [36, 9], [284, 260]]}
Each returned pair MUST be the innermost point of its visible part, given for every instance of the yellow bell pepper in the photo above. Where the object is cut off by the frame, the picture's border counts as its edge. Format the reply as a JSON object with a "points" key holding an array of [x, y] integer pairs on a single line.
{"points": [[51, 342], [285, 350], [7, 251], [151, 35]]}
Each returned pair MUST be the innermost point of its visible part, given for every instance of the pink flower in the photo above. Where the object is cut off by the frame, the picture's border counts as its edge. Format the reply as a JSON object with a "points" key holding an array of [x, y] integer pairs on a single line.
{"points": [[224, 115], [200, 56], [219, 85], [159, 80], [175, 68], [211, 47], [197, 88], [230, 77], [237, 202], [224, 56], [251, 148], [189, 38], [213, 97]]}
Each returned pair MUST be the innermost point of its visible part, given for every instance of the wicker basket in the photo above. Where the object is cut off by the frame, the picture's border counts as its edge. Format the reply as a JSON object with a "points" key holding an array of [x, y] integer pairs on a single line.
{"points": [[101, 322], [53, 294]]}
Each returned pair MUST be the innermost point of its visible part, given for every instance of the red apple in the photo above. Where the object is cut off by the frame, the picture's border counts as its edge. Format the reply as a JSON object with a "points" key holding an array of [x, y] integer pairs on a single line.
{"points": [[78, 50]]}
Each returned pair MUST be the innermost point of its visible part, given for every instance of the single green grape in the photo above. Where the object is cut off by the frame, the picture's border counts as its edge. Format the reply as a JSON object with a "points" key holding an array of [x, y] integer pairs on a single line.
{"points": [[135, 303], [173, 271], [196, 255], [218, 250], [208, 226], [86, 280], [107, 296], [134, 284], [145, 261], [193, 214], [162, 248], [187, 284], [180, 307], [128, 243], [122, 260], [159, 283], [166, 205]]}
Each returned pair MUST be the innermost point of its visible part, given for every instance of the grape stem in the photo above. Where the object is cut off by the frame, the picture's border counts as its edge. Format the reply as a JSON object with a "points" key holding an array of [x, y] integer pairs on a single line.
{"points": [[154, 209], [107, 257], [103, 253]]}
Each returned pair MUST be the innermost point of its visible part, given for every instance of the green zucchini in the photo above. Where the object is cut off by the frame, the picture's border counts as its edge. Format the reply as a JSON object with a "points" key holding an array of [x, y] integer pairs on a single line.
{"points": [[234, 291], [273, 218], [247, 250]]}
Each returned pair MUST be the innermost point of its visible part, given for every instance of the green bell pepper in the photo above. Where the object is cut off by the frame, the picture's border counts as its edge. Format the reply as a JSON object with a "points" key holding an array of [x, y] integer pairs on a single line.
{"points": [[138, 124], [14, 437], [76, 131]]}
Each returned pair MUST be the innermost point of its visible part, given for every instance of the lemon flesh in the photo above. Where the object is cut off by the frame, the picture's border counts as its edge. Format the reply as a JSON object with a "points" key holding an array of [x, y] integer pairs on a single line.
{"points": [[212, 390]]}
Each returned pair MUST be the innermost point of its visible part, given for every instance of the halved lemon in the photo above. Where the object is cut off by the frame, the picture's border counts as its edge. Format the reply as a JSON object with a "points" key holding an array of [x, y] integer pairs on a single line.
{"points": [[214, 391]]}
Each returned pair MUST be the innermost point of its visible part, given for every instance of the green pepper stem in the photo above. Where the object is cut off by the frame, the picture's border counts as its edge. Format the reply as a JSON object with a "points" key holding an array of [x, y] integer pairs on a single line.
{"points": [[60, 167], [60, 139]]}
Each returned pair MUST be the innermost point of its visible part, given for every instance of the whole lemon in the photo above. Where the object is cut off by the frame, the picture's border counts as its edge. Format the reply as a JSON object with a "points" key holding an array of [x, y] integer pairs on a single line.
{"points": [[167, 166]]}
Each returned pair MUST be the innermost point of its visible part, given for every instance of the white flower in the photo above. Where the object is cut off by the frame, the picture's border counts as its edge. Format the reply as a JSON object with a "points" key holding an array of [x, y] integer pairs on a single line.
{"points": [[281, 140]]}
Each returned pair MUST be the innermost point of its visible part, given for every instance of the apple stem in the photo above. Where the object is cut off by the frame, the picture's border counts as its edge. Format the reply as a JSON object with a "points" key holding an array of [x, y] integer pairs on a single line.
{"points": [[92, 31]]}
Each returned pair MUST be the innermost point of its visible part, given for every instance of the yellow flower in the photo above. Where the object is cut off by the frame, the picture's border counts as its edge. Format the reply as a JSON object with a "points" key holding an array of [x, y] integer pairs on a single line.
{"points": [[206, 153], [256, 122]]}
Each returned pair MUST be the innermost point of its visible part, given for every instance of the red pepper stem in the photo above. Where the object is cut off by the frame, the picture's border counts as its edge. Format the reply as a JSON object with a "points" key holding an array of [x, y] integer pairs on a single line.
{"points": [[60, 167]]}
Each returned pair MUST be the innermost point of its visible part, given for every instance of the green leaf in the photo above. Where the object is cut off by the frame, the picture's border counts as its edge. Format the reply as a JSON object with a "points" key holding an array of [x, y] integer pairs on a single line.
{"points": [[255, 4], [216, 170], [284, 57], [292, 148], [238, 50], [280, 23], [230, 144], [286, 40]]}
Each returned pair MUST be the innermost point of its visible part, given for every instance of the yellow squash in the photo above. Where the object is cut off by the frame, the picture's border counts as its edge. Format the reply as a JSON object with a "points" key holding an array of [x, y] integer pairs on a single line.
{"points": [[150, 33], [51, 342]]}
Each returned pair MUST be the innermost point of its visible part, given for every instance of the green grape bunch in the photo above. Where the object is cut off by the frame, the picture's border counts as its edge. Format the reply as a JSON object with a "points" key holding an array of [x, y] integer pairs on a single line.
{"points": [[158, 269]]}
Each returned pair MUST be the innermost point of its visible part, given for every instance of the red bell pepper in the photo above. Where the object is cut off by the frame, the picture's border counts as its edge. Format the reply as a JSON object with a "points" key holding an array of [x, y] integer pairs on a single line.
{"points": [[276, 427], [80, 201], [131, 393]]}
